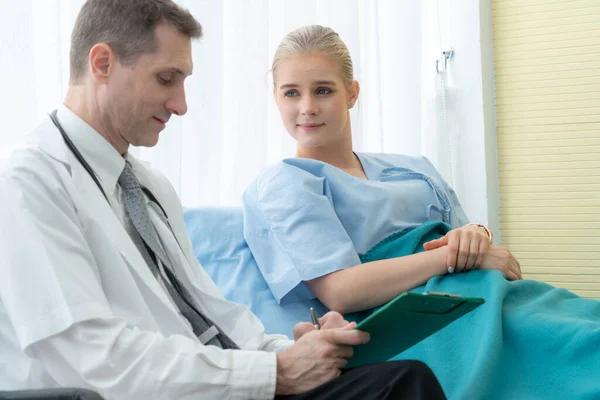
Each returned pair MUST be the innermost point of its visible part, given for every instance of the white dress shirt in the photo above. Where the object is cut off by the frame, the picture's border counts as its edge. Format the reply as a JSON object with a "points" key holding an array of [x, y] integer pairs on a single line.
{"points": [[79, 307]]}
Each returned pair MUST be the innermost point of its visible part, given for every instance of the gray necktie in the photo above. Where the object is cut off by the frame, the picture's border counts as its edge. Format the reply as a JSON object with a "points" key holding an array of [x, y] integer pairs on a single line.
{"points": [[135, 206]]}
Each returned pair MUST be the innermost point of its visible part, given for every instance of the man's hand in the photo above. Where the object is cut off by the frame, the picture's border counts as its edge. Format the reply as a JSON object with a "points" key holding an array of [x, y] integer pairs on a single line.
{"points": [[467, 247], [331, 320], [317, 357]]}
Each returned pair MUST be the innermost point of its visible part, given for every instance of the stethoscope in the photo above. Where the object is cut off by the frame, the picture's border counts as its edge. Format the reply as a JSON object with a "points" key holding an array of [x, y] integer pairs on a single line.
{"points": [[93, 174]]}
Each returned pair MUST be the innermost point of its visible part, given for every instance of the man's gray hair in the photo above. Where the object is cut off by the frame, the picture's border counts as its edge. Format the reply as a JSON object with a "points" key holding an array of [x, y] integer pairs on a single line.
{"points": [[127, 26]]}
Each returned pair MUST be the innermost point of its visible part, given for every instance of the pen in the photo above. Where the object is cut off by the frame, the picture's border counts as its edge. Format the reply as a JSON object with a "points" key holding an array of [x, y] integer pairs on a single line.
{"points": [[314, 319]]}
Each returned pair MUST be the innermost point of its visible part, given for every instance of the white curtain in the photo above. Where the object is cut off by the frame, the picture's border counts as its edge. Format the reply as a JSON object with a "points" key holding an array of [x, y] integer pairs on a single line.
{"points": [[232, 128]]}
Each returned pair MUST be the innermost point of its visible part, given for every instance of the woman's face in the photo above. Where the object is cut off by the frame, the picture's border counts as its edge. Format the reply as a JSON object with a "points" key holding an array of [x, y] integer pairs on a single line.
{"points": [[313, 100]]}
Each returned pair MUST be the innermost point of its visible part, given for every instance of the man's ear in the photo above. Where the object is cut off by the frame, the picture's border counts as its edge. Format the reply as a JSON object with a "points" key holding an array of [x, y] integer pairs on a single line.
{"points": [[102, 60]]}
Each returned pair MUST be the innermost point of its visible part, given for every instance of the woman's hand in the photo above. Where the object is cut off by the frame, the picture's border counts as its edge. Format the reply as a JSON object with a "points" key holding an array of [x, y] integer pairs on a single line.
{"points": [[501, 258], [466, 247]]}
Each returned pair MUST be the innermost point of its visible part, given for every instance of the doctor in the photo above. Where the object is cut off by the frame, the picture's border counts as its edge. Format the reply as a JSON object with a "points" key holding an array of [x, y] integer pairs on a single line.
{"points": [[99, 286]]}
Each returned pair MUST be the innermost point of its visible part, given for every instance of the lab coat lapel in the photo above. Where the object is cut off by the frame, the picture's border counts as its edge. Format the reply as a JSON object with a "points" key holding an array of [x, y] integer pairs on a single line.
{"points": [[116, 233], [49, 140]]}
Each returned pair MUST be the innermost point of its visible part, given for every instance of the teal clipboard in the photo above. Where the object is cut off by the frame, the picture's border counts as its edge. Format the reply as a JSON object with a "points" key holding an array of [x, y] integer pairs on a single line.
{"points": [[407, 320]]}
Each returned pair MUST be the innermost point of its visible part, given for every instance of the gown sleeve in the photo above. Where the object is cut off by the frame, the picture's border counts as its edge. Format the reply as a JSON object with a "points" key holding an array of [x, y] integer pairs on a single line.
{"points": [[293, 231]]}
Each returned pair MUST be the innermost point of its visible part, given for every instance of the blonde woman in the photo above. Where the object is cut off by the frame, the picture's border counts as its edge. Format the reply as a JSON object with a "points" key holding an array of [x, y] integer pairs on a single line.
{"points": [[327, 206], [311, 219]]}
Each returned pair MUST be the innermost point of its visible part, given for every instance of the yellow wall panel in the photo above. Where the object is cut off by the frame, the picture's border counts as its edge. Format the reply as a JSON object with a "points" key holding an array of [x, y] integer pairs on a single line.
{"points": [[547, 58]]}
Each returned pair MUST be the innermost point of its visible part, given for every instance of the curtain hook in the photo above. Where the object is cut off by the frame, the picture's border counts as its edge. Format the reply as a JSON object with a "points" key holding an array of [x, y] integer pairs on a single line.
{"points": [[446, 55]]}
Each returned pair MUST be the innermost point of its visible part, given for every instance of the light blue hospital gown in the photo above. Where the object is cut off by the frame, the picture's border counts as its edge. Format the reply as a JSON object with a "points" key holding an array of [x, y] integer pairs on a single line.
{"points": [[305, 218]]}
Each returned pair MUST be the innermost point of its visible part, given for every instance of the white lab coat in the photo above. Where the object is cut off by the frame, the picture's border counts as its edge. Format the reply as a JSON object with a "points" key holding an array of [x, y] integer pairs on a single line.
{"points": [[66, 260]]}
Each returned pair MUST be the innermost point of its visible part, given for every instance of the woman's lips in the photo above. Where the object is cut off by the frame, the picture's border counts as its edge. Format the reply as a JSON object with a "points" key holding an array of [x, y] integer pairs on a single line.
{"points": [[310, 127]]}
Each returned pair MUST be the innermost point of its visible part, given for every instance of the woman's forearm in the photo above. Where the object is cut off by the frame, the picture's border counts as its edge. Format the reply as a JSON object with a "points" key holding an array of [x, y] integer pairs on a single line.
{"points": [[375, 283]]}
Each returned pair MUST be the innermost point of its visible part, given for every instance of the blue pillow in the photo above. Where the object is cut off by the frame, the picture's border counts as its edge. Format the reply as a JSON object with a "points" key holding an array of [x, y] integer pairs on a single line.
{"points": [[218, 241]]}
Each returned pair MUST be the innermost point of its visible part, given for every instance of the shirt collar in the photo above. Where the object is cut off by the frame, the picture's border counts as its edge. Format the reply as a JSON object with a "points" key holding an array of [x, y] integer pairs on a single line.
{"points": [[104, 159]]}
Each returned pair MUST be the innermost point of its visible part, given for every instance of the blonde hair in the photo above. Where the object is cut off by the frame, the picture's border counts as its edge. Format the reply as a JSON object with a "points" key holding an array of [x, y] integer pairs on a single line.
{"points": [[319, 39]]}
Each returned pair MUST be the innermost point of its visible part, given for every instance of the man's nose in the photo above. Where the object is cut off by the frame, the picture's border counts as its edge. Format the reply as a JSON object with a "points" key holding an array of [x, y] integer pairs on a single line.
{"points": [[177, 104]]}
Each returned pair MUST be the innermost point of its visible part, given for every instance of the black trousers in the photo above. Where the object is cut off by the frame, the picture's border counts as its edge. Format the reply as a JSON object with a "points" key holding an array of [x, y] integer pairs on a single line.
{"points": [[389, 380]]}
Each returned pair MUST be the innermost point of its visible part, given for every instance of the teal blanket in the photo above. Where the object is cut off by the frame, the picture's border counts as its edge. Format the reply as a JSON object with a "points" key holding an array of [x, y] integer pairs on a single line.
{"points": [[529, 340]]}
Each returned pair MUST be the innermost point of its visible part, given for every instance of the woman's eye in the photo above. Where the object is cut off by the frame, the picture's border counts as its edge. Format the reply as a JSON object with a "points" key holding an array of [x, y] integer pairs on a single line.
{"points": [[323, 91], [291, 93]]}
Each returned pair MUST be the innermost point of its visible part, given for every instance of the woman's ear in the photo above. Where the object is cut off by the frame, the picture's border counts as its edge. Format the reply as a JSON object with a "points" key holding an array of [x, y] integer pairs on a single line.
{"points": [[353, 93]]}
